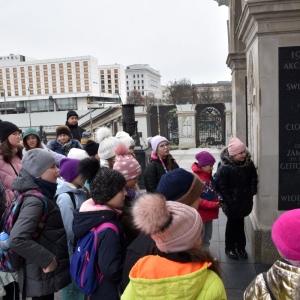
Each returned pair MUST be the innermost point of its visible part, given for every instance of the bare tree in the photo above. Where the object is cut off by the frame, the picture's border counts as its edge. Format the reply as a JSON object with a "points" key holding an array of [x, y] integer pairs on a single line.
{"points": [[181, 91], [151, 99], [209, 95], [135, 97]]}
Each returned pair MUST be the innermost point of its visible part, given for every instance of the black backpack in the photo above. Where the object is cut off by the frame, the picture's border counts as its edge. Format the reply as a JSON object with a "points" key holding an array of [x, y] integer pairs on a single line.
{"points": [[71, 196]]}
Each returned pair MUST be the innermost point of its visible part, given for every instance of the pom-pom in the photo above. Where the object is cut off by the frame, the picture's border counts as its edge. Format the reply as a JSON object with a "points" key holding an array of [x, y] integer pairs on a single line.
{"points": [[88, 168], [102, 133], [149, 139], [150, 213], [121, 149]]}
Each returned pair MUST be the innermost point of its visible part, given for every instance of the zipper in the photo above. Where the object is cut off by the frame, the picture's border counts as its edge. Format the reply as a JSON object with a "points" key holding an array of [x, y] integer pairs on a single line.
{"points": [[86, 260]]}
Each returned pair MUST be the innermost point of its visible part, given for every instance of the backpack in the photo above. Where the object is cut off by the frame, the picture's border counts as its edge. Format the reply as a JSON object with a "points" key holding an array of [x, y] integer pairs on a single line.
{"points": [[215, 182], [9, 260], [84, 268], [71, 196]]}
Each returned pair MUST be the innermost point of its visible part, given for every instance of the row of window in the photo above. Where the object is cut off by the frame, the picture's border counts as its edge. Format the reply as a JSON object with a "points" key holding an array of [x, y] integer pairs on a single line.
{"points": [[45, 74], [137, 76], [46, 85], [62, 83], [108, 91], [142, 93], [45, 67], [109, 77], [138, 82], [135, 88], [109, 81], [109, 71]]}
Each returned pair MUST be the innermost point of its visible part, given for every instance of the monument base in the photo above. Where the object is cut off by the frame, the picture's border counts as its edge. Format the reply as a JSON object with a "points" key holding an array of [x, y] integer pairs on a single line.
{"points": [[186, 143], [261, 243]]}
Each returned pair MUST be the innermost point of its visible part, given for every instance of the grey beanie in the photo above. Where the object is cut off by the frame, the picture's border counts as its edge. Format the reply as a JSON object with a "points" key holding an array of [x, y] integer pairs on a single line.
{"points": [[37, 161]]}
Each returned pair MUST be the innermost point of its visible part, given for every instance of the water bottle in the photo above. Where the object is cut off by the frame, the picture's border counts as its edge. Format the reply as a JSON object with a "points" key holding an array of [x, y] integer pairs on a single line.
{"points": [[4, 241]]}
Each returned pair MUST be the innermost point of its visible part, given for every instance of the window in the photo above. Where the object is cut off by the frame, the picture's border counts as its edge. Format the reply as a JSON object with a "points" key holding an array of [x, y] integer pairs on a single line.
{"points": [[15, 69], [109, 76], [30, 80], [86, 70], [70, 89], [36, 67], [29, 68], [22, 74], [54, 78], [8, 76], [15, 81], [70, 83], [0, 71], [39, 92], [102, 91], [102, 81], [53, 66], [127, 88], [86, 75], [142, 81], [142, 87], [38, 85], [62, 90], [69, 76], [127, 93], [24, 93], [143, 93], [138, 76], [133, 81], [61, 71], [116, 86], [108, 71], [109, 81], [109, 86], [77, 64], [126, 82], [69, 71], [31, 92], [116, 70], [86, 82], [85, 63], [46, 85], [126, 76], [8, 81], [54, 90], [16, 93], [109, 91], [23, 80], [45, 73], [15, 75], [69, 65], [54, 84], [9, 94], [142, 75], [87, 88], [62, 84], [46, 91], [77, 70], [30, 74], [102, 72], [116, 81], [61, 66], [138, 87], [31, 86], [1, 77], [16, 87], [78, 89], [22, 69], [53, 72], [133, 76], [61, 77], [78, 76], [7, 70], [78, 82], [116, 76], [38, 74], [45, 67], [134, 88], [46, 79], [37, 80]]}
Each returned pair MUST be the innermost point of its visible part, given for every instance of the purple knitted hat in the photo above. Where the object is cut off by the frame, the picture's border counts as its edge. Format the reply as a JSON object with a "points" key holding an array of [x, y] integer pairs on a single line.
{"points": [[204, 158], [155, 141], [68, 168]]}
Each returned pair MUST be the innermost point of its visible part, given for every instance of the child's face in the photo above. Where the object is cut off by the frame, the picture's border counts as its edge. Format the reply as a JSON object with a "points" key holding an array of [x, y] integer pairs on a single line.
{"points": [[51, 174], [118, 200], [14, 138], [207, 168], [240, 157], [131, 183], [78, 181], [131, 150], [31, 141]]}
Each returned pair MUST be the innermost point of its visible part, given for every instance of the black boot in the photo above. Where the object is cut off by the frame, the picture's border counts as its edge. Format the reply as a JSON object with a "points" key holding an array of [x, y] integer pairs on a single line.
{"points": [[243, 254], [232, 254]]}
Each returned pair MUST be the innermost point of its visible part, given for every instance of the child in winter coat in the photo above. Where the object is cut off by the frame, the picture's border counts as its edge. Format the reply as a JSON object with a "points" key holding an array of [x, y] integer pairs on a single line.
{"points": [[128, 166], [283, 279], [237, 183], [184, 271], [210, 204], [46, 255], [69, 197], [108, 194]]}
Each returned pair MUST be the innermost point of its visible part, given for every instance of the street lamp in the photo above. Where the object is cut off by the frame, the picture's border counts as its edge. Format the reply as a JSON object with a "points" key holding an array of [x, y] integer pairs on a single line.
{"points": [[52, 99], [117, 92]]}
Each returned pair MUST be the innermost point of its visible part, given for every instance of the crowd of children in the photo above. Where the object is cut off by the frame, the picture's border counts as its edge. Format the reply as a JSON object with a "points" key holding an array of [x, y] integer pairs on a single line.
{"points": [[86, 228]]}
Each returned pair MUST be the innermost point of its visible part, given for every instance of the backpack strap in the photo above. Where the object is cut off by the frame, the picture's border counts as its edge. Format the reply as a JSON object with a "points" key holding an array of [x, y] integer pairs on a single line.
{"points": [[14, 169], [103, 227], [267, 285], [71, 196]]}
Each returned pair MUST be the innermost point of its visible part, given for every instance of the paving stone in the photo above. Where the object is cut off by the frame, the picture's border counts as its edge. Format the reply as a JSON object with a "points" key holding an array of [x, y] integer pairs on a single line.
{"points": [[215, 234], [222, 232], [224, 258], [260, 268]]}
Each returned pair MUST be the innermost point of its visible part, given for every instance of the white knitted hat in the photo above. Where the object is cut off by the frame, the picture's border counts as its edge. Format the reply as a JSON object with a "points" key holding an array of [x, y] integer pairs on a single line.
{"points": [[125, 138], [107, 143], [77, 154]]}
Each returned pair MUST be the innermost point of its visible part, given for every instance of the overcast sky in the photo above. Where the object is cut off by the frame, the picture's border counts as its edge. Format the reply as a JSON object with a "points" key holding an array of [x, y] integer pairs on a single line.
{"points": [[180, 38]]}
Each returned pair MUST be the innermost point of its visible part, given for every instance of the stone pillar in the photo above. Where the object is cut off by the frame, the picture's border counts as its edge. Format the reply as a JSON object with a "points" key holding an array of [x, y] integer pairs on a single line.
{"points": [[237, 63], [228, 122], [154, 121], [163, 111], [186, 126]]}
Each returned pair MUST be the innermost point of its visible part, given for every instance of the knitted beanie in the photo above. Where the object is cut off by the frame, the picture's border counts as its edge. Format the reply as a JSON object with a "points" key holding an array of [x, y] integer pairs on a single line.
{"points": [[77, 154], [29, 131], [204, 158], [104, 183], [125, 138], [175, 227], [155, 141], [236, 146], [68, 168], [127, 165], [91, 147], [181, 186], [37, 161], [286, 234], [71, 113], [107, 143], [63, 130], [6, 129]]}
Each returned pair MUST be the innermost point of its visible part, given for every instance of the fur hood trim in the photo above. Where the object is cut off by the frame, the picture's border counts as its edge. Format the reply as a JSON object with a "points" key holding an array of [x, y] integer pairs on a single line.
{"points": [[226, 161]]}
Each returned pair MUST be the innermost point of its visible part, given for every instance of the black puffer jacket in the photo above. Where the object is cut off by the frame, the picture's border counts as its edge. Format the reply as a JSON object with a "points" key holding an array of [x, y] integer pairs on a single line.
{"points": [[154, 171], [76, 131], [237, 183], [39, 252]]}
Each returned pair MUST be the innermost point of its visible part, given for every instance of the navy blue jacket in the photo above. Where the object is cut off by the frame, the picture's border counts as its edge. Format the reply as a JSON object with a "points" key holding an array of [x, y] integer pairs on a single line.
{"points": [[111, 250], [53, 145]]}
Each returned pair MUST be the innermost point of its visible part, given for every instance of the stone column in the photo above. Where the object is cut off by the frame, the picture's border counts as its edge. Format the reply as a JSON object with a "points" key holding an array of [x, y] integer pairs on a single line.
{"points": [[228, 122], [163, 111], [186, 126]]}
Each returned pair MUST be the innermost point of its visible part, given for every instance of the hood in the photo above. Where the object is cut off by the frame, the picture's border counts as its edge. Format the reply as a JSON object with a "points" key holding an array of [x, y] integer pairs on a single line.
{"points": [[174, 279], [229, 163], [43, 145], [63, 187], [206, 176], [71, 126], [84, 221], [154, 157], [24, 182]]}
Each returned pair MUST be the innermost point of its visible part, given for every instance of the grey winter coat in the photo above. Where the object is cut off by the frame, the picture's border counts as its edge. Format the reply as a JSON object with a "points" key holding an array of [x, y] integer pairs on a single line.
{"points": [[39, 252]]}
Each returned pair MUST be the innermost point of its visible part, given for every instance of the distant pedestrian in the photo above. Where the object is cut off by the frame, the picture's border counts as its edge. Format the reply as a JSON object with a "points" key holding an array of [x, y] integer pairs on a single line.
{"points": [[108, 193], [72, 122], [85, 138], [161, 162], [10, 157], [69, 197], [183, 270], [63, 143], [46, 266], [126, 139], [237, 183], [210, 204], [283, 279], [91, 148], [32, 140], [129, 167], [107, 144]]}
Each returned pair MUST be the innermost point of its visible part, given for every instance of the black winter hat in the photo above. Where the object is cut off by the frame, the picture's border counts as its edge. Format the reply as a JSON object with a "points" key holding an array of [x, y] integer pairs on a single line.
{"points": [[6, 129], [91, 147], [104, 183], [71, 113]]}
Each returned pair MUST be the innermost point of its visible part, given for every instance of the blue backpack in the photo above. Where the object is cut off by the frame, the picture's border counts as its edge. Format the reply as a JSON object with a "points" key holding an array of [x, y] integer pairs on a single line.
{"points": [[84, 268]]}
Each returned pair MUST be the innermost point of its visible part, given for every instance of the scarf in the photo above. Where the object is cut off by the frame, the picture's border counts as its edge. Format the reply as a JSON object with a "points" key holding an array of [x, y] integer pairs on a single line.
{"points": [[49, 188], [66, 147], [130, 193]]}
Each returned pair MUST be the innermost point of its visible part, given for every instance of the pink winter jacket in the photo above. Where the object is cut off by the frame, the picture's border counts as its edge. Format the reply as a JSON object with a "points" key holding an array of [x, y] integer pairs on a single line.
{"points": [[8, 175]]}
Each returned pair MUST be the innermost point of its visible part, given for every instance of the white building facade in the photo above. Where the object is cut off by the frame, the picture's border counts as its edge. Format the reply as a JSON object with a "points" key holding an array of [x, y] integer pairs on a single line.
{"points": [[143, 78], [29, 85]]}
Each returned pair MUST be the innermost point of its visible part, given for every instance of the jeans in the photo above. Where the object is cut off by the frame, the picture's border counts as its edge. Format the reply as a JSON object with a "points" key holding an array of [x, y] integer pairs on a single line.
{"points": [[206, 233], [235, 237]]}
